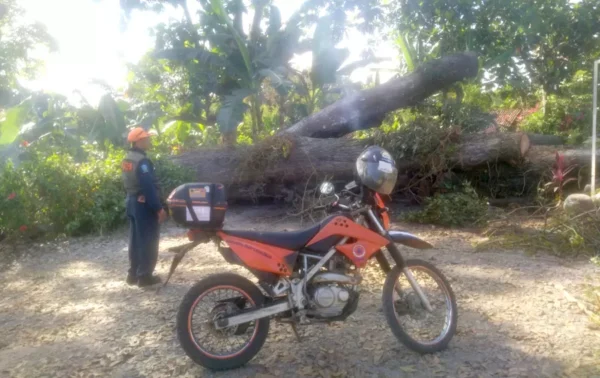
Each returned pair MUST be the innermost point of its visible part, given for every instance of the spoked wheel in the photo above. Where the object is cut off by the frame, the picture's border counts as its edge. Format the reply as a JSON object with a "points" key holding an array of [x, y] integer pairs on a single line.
{"points": [[419, 328], [209, 300]]}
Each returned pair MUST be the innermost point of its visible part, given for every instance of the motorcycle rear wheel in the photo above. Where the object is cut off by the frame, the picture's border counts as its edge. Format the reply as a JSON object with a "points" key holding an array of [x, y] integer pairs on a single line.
{"points": [[233, 293], [409, 306]]}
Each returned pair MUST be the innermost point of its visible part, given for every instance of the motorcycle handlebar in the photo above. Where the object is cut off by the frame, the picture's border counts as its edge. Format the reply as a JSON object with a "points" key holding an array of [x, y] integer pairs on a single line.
{"points": [[332, 207]]}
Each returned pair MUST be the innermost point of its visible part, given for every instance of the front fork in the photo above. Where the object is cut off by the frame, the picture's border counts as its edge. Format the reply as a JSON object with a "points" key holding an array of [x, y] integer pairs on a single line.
{"points": [[399, 260]]}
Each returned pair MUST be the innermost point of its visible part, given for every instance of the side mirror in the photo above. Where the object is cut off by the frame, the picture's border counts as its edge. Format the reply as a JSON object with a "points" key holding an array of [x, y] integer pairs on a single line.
{"points": [[326, 188]]}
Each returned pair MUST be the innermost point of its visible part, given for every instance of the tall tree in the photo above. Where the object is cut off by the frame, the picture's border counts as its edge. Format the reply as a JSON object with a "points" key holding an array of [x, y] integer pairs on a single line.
{"points": [[230, 65], [539, 42], [17, 40]]}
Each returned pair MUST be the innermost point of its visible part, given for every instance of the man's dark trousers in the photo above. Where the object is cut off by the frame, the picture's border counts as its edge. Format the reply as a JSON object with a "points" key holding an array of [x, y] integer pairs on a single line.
{"points": [[144, 235]]}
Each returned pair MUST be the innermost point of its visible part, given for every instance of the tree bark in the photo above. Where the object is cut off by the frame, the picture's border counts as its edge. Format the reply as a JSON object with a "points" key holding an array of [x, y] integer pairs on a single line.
{"points": [[311, 159], [546, 140], [543, 158], [367, 108]]}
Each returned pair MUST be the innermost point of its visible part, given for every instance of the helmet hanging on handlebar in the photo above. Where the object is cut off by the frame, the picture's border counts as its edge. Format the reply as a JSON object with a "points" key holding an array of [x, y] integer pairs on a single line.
{"points": [[376, 169]]}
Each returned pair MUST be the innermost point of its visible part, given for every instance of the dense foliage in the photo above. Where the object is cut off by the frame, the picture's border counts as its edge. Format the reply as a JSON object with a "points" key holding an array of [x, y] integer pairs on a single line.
{"points": [[50, 193], [459, 208], [17, 40], [226, 74]]}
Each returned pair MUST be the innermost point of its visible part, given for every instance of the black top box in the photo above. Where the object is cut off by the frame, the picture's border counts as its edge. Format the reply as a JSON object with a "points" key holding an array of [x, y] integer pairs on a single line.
{"points": [[198, 205]]}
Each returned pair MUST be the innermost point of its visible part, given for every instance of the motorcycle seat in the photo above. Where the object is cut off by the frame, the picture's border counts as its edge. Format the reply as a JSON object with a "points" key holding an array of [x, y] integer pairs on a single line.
{"points": [[292, 240]]}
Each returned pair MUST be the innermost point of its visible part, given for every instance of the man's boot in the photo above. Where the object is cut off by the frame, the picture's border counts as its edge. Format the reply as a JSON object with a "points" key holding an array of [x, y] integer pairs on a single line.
{"points": [[148, 280]]}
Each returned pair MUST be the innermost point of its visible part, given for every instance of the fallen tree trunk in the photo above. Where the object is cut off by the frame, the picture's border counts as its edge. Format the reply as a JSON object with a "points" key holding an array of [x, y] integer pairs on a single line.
{"points": [[288, 161], [543, 158], [545, 140], [367, 108]]}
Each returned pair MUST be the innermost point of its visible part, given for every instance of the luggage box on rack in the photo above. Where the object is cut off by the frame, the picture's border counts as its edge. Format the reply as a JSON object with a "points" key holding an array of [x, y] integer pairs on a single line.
{"points": [[198, 205]]}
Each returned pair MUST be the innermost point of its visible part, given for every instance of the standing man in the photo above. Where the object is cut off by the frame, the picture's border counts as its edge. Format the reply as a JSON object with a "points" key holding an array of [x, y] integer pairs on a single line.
{"points": [[144, 210]]}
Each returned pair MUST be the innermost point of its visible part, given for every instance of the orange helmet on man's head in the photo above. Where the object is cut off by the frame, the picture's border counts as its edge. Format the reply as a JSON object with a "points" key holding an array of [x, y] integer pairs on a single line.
{"points": [[137, 134]]}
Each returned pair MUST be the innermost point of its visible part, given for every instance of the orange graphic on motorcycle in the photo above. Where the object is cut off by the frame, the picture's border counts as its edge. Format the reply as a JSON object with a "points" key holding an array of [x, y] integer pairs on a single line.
{"points": [[385, 217], [342, 226], [259, 256]]}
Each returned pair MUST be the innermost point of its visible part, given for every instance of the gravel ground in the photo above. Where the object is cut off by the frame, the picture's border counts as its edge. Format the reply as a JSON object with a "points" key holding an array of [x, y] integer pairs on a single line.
{"points": [[65, 310]]}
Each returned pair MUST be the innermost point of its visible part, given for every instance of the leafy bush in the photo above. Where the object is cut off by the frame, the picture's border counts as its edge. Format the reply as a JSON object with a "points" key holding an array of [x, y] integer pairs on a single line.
{"points": [[50, 193], [169, 174], [568, 113], [460, 208]]}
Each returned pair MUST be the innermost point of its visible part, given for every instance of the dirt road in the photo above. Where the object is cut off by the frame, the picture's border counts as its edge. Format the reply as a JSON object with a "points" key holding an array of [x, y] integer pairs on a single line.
{"points": [[65, 310]]}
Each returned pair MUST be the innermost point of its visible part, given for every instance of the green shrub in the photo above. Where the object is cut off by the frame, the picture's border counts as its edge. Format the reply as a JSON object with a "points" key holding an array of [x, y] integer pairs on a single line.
{"points": [[52, 194], [459, 208], [169, 174], [567, 113]]}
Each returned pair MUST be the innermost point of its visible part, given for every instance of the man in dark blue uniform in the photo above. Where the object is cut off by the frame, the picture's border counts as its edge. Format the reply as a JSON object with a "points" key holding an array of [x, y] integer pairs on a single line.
{"points": [[144, 210]]}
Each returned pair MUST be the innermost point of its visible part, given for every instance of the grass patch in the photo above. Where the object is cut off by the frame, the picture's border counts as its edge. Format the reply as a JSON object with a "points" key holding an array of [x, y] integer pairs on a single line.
{"points": [[551, 231]]}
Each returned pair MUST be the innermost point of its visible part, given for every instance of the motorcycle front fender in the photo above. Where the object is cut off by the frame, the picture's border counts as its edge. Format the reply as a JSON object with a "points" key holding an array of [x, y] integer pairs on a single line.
{"points": [[409, 240]]}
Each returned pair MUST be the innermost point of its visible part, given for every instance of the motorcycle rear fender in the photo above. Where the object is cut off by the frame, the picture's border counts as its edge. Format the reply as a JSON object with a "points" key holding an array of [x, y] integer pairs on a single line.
{"points": [[259, 256], [409, 240]]}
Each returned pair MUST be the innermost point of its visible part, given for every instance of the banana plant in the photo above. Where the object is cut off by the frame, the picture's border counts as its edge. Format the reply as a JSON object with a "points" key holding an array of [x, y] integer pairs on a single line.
{"points": [[243, 62], [45, 115]]}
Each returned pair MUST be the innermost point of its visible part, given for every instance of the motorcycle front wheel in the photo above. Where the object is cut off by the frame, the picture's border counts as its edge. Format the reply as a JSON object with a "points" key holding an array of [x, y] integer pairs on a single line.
{"points": [[421, 329], [215, 297]]}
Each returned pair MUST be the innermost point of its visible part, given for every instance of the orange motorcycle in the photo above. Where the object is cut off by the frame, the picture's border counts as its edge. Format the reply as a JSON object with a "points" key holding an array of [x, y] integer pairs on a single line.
{"points": [[307, 276]]}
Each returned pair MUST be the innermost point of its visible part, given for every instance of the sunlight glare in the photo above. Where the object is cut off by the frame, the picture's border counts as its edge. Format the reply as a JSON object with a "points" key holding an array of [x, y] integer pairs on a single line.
{"points": [[94, 48]]}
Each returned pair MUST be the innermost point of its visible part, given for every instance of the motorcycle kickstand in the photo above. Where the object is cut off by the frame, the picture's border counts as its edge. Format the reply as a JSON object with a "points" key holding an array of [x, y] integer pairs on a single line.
{"points": [[295, 329]]}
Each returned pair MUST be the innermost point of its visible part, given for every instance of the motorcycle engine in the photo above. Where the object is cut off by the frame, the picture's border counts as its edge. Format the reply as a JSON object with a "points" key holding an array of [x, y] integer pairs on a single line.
{"points": [[330, 300], [331, 294]]}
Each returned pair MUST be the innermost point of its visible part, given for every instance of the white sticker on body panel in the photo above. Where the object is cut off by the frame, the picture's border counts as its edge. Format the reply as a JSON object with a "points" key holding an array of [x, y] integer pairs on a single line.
{"points": [[202, 213], [386, 167]]}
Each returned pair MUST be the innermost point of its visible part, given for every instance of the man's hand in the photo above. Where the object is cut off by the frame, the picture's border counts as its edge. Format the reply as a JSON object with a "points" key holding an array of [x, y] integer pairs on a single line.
{"points": [[162, 216]]}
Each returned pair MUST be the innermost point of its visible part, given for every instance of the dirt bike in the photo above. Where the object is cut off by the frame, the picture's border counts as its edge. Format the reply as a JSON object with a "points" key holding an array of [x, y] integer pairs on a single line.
{"points": [[306, 276]]}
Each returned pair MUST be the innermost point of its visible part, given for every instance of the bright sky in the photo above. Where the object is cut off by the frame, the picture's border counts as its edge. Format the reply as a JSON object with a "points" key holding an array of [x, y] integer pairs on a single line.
{"points": [[93, 46]]}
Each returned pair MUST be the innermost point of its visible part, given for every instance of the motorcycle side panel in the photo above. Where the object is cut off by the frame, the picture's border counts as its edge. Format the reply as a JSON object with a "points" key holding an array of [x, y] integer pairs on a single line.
{"points": [[344, 226], [262, 257], [364, 244]]}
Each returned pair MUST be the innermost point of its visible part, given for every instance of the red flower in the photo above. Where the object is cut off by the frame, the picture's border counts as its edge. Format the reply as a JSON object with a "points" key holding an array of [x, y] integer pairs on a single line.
{"points": [[23, 228], [24, 143], [560, 172], [12, 196]]}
